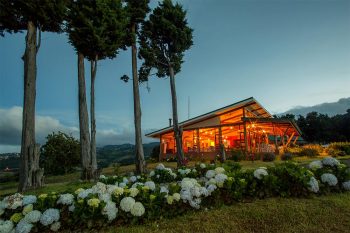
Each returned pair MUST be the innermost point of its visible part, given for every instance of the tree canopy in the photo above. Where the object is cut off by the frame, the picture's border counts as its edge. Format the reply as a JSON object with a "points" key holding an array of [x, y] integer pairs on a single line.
{"points": [[60, 154], [97, 28], [164, 39], [47, 15]]}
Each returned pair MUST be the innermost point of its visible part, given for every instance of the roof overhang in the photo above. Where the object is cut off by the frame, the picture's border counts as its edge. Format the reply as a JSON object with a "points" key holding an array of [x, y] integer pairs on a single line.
{"points": [[250, 104]]}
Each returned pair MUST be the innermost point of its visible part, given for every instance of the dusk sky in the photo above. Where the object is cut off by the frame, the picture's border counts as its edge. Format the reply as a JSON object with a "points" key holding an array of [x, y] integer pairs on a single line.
{"points": [[285, 53]]}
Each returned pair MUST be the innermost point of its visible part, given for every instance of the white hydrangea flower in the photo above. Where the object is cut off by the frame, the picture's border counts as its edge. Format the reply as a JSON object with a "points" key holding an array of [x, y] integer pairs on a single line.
{"points": [[104, 197], [99, 187], [102, 177], [313, 185], [260, 172], [315, 165], [195, 203], [151, 185], [346, 185], [27, 209], [6, 226], [329, 179], [219, 170], [50, 216], [55, 226], [29, 199], [176, 196], [202, 165], [210, 174], [152, 173], [65, 199], [33, 216], [164, 189], [134, 192], [118, 191], [122, 185], [71, 208], [125, 180], [23, 227], [111, 188], [184, 171], [137, 184], [110, 210], [330, 161], [160, 167], [220, 179], [13, 201], [137, 209], [211, 188], [84, 193], [133, 179], [127, 203]]}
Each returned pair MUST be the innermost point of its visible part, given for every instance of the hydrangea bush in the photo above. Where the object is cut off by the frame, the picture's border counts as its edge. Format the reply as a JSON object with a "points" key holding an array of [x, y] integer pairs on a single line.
{"points": [[166, 193]]}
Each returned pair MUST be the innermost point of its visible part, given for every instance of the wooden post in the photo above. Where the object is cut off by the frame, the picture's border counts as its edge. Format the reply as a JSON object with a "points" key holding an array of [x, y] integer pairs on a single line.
{"points": [[295, 140], [245, 134], [198, 141], [161, 147]]}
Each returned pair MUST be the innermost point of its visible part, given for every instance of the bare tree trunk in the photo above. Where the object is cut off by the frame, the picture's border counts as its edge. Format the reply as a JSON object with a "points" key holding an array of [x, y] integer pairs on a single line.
{"points": [[83, 122], [93, 120], [139, 154], [177, 132], [28, 117]]}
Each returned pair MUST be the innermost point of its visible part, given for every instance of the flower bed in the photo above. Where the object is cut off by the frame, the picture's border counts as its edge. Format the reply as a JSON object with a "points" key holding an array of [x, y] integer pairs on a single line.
{"points": [[165, 193]]}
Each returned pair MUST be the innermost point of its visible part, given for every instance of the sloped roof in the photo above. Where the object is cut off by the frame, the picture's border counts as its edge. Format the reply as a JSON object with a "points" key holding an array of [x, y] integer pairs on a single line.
{"points": [[251, 104]]}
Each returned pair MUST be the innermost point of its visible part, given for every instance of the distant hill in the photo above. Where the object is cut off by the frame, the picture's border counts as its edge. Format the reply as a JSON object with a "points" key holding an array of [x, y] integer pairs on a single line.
{"points": [[330, 109], [123, 154]]}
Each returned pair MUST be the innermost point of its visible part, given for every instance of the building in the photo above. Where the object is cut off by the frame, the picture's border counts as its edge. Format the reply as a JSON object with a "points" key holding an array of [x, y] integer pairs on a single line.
{"points": [[245, 125]]}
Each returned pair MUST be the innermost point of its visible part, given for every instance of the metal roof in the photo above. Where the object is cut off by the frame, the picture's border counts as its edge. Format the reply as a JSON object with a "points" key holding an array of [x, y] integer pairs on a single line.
{"points": [[249, 103]]}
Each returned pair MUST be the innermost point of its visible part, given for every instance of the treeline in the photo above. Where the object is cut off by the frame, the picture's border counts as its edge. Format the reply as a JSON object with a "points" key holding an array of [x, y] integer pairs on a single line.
{"points": [[321, 128]]}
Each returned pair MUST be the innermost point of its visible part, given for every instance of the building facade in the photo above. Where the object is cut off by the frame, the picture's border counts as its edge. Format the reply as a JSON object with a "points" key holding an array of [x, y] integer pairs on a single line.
{"points": [[245, 125]]}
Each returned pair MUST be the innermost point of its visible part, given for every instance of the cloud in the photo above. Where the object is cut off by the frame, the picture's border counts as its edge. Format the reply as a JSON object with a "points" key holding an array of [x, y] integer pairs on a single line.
{"points": [[11, 130], [11, 127]]}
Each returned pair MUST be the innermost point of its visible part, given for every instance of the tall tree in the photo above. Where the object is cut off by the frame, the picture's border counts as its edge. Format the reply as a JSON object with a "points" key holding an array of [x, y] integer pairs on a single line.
{"points": [[96, 29], [32, 16], [163, 40], [137, 11]]}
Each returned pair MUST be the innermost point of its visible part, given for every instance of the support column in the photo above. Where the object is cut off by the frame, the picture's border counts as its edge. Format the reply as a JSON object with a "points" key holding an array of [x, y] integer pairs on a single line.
{"points": [[161, 147], [245, 133], [198, 141]]}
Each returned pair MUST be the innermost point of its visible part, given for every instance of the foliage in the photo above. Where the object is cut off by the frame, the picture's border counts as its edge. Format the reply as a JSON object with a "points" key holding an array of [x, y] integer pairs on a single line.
{"points": [[339, 148], [47, 15], [268, 156], [236, 155], [321, 128], [311, 150], [163, 40], [286, 156], [97, 28], [132, 200], [60, 154]]}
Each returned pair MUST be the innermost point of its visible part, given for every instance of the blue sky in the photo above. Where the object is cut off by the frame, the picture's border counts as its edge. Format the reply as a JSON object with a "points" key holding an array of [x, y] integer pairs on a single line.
{"points": [[285, 53]]}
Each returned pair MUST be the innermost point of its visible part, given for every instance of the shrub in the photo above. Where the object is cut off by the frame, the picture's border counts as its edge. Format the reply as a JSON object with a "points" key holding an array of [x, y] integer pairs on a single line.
{"points": [[311, 150], [286, 156], [339, 149], [294, 150], [268, 157], [237, 155]]}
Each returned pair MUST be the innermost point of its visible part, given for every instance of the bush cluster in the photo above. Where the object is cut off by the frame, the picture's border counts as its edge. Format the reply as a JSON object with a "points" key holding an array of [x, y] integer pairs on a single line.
{"points": [[165, 193]]}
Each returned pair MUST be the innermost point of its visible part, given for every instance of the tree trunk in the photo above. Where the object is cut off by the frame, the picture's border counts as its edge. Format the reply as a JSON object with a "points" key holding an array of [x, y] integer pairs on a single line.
{"points": [[28, 116], [139, 155], [83, 122], [177, 131], [93, 120]]}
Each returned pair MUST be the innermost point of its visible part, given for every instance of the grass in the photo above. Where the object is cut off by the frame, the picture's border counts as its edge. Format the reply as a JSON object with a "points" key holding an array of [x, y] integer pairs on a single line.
{"points": [[317, 214]]}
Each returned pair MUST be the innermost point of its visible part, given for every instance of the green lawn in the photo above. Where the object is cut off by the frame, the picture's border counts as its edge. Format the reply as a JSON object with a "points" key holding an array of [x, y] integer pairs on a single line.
{"points": [[317, 214]]}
